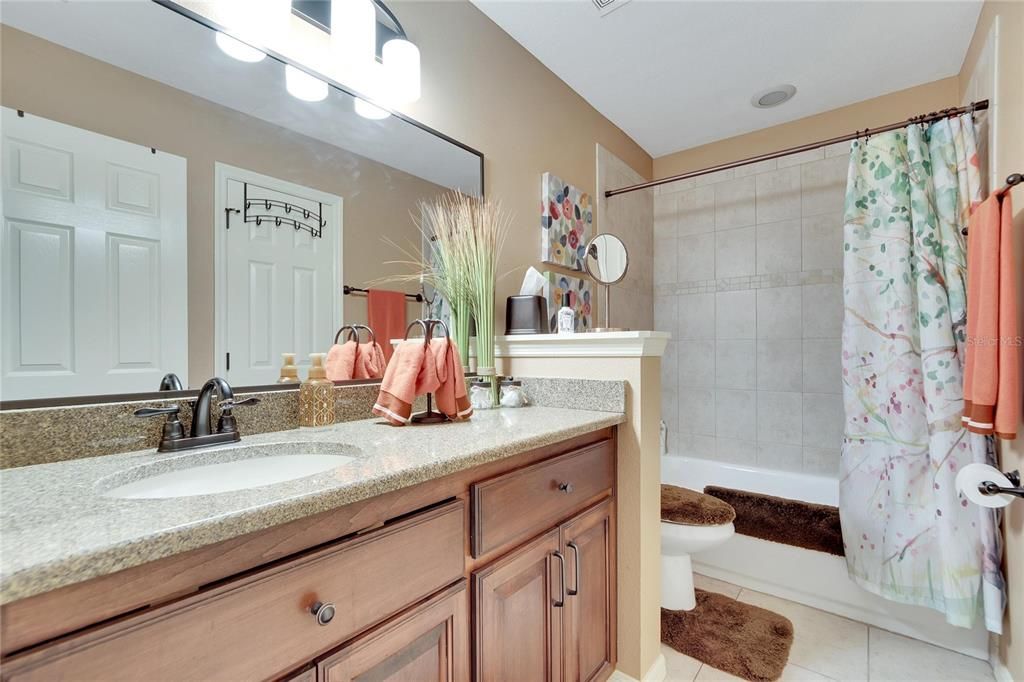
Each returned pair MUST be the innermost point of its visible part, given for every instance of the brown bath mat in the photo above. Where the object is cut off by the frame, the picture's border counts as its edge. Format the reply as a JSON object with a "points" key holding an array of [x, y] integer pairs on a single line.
{"points": [[740, 639], [689, 507], [779, 519]]}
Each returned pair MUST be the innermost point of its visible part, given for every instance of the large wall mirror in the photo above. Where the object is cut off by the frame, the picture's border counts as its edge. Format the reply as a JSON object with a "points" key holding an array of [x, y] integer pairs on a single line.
{"points": [[170, 209]]}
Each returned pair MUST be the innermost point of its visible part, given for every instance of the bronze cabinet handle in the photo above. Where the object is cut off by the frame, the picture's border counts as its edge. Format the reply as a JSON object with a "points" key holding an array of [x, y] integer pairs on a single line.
{"points": [[566, 487], [324, 613], [559, 603], [576, 564]]}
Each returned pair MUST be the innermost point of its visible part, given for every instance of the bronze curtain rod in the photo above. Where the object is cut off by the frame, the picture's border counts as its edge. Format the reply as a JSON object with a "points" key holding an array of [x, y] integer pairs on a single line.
{"points": [[867, 132]]}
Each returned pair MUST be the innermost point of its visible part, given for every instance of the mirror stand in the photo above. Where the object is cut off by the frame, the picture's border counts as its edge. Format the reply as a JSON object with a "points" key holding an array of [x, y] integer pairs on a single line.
{"points": [[607, 313], [606, 262]]}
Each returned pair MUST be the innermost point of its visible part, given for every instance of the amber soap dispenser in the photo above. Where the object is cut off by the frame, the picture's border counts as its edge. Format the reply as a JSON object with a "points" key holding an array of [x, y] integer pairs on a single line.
{"points": [[316, 395]]}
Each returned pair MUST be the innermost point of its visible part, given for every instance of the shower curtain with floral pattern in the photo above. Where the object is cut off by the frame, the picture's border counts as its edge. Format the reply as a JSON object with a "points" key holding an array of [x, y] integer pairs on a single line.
{"points": [[909, 536]]}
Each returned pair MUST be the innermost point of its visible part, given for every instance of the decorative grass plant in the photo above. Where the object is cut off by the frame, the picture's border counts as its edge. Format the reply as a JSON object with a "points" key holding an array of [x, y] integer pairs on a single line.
{"points": [[490, 229], [466, 236]]}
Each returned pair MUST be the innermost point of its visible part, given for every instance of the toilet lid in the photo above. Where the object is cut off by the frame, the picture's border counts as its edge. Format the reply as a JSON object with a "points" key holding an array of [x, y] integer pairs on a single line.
{"points": [[689, 507]]}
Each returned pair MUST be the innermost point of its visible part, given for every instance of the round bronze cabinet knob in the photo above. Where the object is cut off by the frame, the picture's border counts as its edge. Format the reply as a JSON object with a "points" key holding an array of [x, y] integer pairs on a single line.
{"points": [[566, 487], [324, 613]]}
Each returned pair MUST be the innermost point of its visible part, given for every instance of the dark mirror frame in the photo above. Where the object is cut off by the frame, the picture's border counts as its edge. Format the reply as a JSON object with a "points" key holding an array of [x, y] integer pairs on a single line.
{"points": [[70, 401]]}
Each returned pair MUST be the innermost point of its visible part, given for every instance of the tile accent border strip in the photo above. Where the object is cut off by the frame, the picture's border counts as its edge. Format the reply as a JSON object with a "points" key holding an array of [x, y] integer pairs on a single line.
{"points": [[774, 280]]}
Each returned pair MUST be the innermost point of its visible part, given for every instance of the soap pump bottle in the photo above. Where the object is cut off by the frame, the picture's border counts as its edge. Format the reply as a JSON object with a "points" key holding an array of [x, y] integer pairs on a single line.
{"points": [[289, 372], [316, 395], [566, 316]]}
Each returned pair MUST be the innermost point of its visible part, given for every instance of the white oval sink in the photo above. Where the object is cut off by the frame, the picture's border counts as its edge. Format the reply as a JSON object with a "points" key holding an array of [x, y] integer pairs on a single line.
{"points": [[224, 477]]}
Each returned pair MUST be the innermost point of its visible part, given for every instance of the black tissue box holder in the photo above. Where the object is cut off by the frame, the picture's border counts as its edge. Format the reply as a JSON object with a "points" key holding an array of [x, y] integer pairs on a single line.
{"points": [[526, 315]]}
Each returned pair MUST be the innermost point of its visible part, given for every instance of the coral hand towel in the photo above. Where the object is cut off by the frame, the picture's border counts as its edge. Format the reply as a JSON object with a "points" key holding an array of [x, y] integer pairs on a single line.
{"points": [[370, 362], [398, 389], [450, 395], [386, 313], [992, 400], [341, 361]]}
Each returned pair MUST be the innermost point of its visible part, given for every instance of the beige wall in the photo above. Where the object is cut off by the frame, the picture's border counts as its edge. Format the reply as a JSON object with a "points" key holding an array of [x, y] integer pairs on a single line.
{"points": [[47, 80], [630, 217], [483, 88], [867, 114], [995, 68]]}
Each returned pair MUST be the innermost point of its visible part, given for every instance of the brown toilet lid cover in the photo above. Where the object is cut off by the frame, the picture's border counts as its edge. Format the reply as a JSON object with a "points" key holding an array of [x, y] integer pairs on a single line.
{"points": [[689, 507]]}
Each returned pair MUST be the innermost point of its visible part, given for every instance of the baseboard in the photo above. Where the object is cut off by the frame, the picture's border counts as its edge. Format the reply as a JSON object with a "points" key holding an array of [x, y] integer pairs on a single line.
{"points": [[999, 670], [657, 673]]}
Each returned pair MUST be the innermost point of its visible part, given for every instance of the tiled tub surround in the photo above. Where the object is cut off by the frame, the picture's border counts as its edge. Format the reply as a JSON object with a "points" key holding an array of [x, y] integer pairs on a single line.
{"points": [[748, 279], [59, 529], [54, 434]]}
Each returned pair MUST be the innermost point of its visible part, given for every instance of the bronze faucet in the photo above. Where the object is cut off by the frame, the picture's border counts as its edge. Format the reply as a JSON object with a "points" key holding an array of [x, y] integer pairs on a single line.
{"points": [[200, 434]]}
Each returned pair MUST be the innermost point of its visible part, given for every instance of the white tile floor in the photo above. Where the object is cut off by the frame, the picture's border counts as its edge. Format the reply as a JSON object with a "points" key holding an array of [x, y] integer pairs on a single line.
{"points": [[829, 647]]}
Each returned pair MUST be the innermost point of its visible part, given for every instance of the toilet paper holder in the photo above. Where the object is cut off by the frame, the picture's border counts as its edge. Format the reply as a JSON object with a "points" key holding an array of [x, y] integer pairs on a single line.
{"points": [[992, 488]]}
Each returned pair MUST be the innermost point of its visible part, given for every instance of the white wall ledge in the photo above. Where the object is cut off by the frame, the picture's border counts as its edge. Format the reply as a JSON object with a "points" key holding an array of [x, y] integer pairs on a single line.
{"points": [[638, 344], [632, 344]]}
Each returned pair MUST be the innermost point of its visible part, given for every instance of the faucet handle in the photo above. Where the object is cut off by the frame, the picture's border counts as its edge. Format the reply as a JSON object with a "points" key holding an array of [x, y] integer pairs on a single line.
{"points": [[231, 403], [227, 423], [157, 411], [172, 428]]}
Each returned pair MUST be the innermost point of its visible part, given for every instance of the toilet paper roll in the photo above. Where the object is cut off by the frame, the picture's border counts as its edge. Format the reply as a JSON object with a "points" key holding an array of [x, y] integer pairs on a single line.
{"points": [[972, 475]]}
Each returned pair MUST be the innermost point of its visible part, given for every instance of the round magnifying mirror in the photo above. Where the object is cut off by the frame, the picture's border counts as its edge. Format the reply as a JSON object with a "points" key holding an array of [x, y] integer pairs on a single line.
{"points": [[606, 262], [607, 259]]}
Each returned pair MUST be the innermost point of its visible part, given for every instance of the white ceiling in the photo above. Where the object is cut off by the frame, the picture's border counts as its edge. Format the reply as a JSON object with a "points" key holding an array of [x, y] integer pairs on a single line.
{"points": [[674, 74]]}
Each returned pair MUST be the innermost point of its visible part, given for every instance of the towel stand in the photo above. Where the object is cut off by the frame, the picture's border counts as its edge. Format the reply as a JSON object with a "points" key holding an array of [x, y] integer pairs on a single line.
{"points": [[1011, 180], [428, 416], [353, 333]]}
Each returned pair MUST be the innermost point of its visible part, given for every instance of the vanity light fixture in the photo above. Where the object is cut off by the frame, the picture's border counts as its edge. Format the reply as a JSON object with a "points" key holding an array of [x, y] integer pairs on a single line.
{"points": [[239, 50], [251, 21], [354, 40], [303, 86], [371, 111], [401, 61]]}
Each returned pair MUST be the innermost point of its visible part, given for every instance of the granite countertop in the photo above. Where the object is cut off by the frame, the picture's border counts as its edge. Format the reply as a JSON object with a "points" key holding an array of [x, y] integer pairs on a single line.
{"points": [[58, 528]]}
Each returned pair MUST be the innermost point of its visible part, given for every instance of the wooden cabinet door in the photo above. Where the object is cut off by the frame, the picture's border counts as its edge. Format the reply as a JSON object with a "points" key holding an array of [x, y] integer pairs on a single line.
{"points": [[518, 614], [588, 542], [429, 643]]}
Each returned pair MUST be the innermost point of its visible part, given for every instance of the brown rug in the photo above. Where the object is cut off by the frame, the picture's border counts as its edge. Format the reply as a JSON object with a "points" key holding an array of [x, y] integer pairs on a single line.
{"points": [[682, 505], [779, 519], [740, 639]]}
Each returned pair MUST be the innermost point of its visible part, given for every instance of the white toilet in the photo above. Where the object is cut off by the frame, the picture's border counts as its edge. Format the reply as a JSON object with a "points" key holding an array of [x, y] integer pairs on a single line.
{"points": [[690, 522]]}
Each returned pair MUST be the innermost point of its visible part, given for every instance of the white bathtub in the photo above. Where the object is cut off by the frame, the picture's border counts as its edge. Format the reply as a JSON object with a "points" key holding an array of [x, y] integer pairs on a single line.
{"points": [[813, 578]]}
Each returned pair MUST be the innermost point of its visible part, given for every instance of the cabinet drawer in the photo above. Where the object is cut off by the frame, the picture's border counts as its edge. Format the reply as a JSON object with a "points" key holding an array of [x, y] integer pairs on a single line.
{"points": [[261, 626], [523, 503], [429, 643]]}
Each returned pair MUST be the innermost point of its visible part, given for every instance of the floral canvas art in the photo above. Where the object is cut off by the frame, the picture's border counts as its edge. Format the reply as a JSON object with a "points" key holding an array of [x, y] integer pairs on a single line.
{"points": [[567, 214], [581, 298]]}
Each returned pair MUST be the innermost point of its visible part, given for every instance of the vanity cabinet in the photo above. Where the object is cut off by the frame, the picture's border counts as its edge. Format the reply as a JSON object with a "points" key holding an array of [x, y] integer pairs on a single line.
{"points": [[554, 595], [264, 625], [518, 619], [429, 643], [589, 632], [500, 573]]}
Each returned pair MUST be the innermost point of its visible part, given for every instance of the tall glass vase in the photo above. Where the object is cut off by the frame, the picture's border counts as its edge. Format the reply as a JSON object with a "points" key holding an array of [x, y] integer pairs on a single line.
{"points": [[485, 345], [461, 315]]}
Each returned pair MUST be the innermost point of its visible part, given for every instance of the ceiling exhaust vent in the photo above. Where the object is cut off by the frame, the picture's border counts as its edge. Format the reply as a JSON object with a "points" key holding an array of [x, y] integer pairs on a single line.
{"points": [[606, 7]]}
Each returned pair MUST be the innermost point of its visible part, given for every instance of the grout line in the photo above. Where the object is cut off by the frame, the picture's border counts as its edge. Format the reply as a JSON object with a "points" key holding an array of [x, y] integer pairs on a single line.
{"points": [[867, 669]]}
